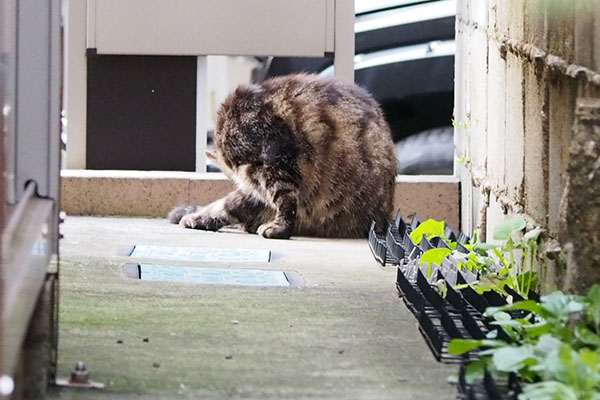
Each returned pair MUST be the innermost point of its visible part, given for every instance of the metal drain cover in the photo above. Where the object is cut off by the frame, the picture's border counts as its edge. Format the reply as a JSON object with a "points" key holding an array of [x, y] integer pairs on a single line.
{"points": [[199, 254], [213, 276]]}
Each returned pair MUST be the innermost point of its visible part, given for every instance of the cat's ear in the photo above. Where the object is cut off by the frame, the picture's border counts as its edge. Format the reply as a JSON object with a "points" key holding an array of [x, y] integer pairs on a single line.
{"points": [[212, 156]]}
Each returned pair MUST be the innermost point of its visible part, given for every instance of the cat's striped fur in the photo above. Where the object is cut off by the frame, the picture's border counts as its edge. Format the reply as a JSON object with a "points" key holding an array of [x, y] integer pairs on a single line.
{"points": [[309, 155]]}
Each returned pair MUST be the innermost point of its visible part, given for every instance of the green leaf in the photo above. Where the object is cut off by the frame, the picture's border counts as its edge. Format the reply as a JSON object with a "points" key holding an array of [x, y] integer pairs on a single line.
{"points": [[546, 344], [512, 359], [587, 337], [532, 234], [548, 390], [536, 330], [441, 286], [590, 358], [526, 305], [561, 305], [593, 298], [462, 346], [482, 248], [474, 371], [430, 228], [502, 316], [505, 229], [434, 256], [511, 323]]}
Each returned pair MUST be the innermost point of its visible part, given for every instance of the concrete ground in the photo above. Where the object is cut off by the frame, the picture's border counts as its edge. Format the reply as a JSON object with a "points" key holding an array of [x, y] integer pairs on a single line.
{"points": [[345, 335]]}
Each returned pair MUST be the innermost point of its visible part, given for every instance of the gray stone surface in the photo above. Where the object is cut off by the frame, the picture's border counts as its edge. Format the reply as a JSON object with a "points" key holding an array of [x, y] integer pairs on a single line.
{"points": [[345, 335]]}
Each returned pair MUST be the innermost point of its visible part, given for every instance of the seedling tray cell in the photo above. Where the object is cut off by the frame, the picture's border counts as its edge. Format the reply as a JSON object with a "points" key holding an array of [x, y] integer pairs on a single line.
{"points": [[449, 234], [377, 244], [411, 249], [461, 247], [414, 222], [489, 388], [439, 243], [393, 241], [434, 329], [412, 297], [462, 238]]}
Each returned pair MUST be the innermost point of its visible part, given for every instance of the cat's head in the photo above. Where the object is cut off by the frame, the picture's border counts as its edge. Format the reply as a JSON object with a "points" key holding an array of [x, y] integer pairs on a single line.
{"points": [[245, 101]]}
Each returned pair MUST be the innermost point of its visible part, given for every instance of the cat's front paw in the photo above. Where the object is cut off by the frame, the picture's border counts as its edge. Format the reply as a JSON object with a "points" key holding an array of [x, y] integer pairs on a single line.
{"points": [[198, 221], [274, 230]]}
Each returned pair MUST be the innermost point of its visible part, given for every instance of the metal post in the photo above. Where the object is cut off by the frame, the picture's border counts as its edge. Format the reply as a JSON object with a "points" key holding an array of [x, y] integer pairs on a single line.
{"points": [[201, 113], [344, 40], [75, 83]]}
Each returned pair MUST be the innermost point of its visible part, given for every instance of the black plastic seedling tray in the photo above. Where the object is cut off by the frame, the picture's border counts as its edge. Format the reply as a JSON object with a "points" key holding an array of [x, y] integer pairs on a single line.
{"points": [[457, 314], [377, 244]]}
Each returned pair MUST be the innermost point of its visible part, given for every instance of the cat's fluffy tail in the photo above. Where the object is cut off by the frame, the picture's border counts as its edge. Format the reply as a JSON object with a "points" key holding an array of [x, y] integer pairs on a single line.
{"points": [[178, 212]]}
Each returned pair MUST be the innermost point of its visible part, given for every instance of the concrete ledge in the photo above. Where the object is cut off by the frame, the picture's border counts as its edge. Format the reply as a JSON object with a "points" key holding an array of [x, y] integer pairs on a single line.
{"points": [[154, 193]]}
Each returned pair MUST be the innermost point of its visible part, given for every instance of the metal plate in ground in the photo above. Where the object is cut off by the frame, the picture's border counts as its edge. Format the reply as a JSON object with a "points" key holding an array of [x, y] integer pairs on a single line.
{"points": [[200, 254], [213, 276]]}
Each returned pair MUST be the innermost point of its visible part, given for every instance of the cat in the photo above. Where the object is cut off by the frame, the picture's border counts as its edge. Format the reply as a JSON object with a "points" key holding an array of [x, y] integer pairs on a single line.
{"points": [[310, 156]]}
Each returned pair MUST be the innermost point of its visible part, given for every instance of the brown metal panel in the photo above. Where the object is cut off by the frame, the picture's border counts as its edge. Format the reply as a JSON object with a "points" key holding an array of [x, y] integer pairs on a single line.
{"points": [[141, 112], [7, 43]]}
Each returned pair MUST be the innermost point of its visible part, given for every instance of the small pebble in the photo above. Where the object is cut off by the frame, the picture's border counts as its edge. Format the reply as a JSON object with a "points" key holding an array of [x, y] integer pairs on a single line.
{"points": [[120, 341], [156, 365], [145, 340], [341, 351], [235, 322], [228, 357]]}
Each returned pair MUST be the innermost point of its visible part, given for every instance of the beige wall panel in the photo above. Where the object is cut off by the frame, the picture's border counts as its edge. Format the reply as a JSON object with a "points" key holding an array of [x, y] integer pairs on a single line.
{"points": [[478, 13], [583, 32], [462, 10], [536, 148], [470, 214], [560, 16], [515, 135], [498, 17], [535, 26], [477, 114], [461, 100], [496, 123], [194, 27], [532, 49], [516, 14], [596, 44], [561, 114], [495, 216]]}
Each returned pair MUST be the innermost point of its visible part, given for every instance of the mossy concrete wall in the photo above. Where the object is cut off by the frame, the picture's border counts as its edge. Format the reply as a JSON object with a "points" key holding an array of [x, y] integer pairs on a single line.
{"points": [[526, 108]]}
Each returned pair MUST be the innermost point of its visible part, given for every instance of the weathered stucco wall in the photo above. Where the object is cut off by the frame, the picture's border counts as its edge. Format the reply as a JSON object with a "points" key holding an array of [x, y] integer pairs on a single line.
{"points": [[527, 117]]}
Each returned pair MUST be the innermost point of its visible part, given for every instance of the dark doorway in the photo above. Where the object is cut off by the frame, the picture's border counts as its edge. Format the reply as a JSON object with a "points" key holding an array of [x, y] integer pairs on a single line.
{"points": [[141, 112]]}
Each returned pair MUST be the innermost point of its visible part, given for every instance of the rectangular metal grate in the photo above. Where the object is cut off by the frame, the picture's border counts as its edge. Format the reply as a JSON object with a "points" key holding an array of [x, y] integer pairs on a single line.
{"points": [[201, 254], [213, 276]]}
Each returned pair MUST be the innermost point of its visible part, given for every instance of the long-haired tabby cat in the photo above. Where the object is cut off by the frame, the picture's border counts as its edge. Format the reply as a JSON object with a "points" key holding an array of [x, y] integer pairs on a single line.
{"points": [[310, 156]]}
